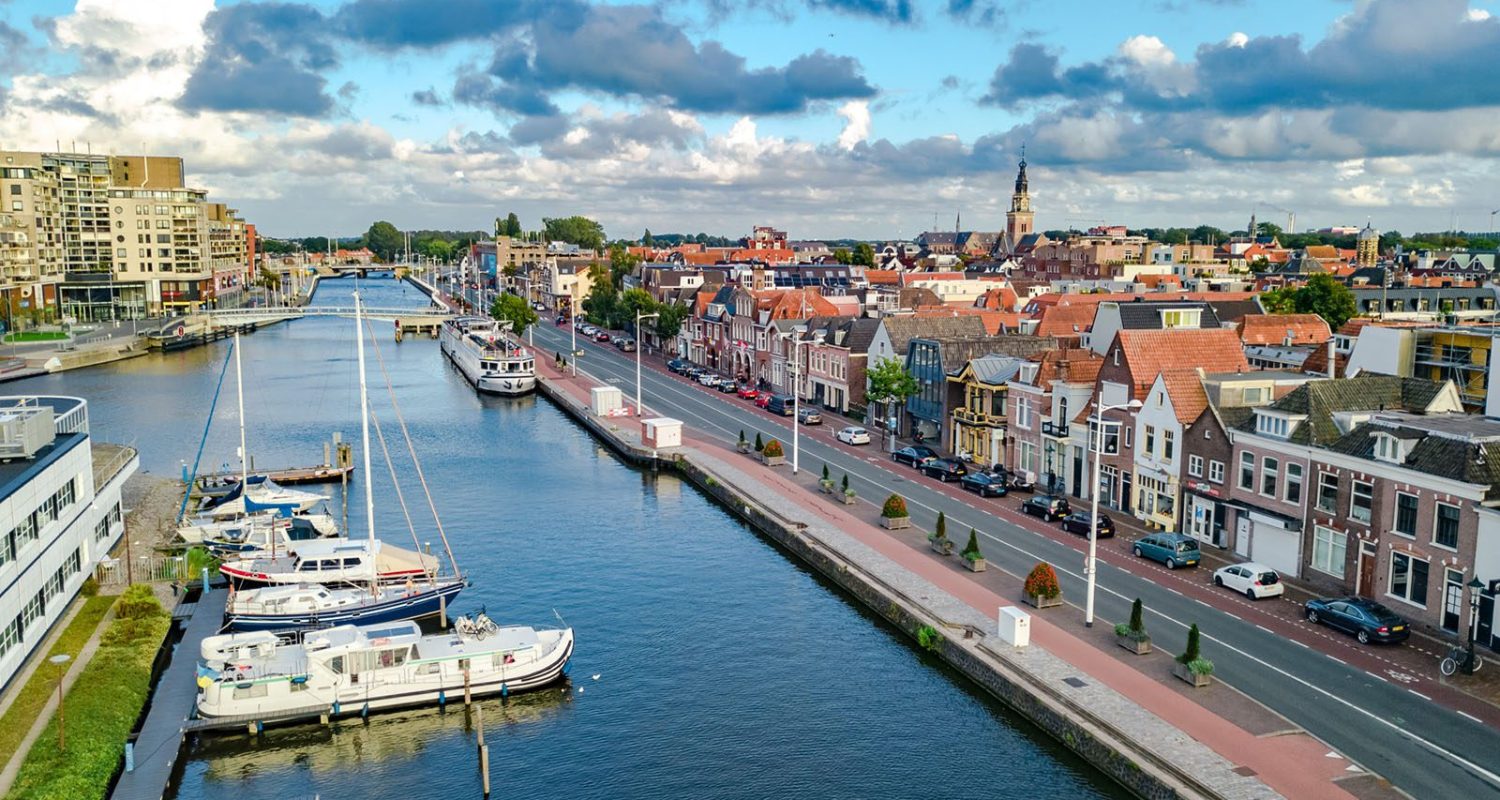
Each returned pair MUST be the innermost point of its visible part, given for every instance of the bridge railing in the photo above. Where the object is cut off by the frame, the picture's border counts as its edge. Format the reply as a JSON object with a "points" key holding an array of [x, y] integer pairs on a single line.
{"points": [[265, 312]]}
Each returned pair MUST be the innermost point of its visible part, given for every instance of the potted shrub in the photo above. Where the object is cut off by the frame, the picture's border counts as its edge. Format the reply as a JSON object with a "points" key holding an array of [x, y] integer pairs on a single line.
{"points": [[826, 483], [1041, 588], [973, 559], [759, 445], [1133, 636], [893, 514], [743, 444], [771, 455], [938, 540], [1191, 666], [848, 493]]}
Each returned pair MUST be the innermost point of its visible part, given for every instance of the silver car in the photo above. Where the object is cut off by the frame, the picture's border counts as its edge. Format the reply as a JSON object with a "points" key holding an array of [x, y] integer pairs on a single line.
{"points": [[853, 435], [809, 416]]}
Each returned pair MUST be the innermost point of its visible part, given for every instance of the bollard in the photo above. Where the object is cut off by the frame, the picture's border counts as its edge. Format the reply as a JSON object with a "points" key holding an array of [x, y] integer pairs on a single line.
{"points": [[484, 767], [468, 700], [205, 580], [443, 612]]}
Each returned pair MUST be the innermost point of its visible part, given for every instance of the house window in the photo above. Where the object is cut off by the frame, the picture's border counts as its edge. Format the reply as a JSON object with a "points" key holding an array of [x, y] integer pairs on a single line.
{"points": [[1247, 471], [1150, 440], [1388, 448], [1408, 578], [1129, 436], [1293, 483], [1253, 395], [1445, 528], [1329, 548], [1195, 466], [1216, 471], [1360, 501], [1023, 413], [1328, 492], [1406, 515], [1271, 426], [1167, 442], [1269, 468]]}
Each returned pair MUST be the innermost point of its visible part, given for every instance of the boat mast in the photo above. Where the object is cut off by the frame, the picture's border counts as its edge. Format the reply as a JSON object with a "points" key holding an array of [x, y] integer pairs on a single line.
{"points": [[364, 432], [239, 387]]}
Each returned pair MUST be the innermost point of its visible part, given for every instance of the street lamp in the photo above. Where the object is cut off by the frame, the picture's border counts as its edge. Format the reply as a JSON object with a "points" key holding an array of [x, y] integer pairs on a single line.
{"points": [[797, 401], [60, 659], [1097, 444], [1475, 587], [573, 328], [638, 317]]}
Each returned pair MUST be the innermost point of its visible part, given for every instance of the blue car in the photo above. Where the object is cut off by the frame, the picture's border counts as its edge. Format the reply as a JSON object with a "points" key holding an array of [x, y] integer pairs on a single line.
{"points": [[1172, 549], [1368, 620]]}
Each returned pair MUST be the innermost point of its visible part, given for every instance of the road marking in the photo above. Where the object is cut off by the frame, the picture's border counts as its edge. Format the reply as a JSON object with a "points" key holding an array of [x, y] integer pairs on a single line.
{"points": [[1382, 678], [1470, 716], [1267, 630], [1419, 694]]}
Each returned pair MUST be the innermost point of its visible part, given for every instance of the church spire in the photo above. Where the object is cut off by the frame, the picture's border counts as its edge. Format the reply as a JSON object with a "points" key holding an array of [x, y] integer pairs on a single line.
{"points": [[1018, 220]]}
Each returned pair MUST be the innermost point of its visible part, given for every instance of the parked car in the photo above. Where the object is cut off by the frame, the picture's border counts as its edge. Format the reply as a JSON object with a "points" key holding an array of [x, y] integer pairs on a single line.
{"points": [[1047, 506], [601, 336], [1081, 521], [1172, 549], [677, 366], [708, 378], [538, 307], [914, 456], [1250, 579], [728, 386], [626, 344], [1368, 620], [853, 435], [587, 329], [944, 469], [561, 320], [748, 392], [809, 416], [782, 404], [986, 484], [763, 399]]}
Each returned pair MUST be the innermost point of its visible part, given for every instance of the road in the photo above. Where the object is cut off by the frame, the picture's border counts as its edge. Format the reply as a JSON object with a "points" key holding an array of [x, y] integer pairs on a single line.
{"points": [[1385, 727]]}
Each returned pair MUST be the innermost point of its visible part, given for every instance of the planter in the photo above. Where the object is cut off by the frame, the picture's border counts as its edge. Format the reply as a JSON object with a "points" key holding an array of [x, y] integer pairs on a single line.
{"points": [[772, 461], [1138, 646], [826, 486], [1198, 681], [744, 447], [895, 523], [849, 499], [1037, 601], [943, 545], [975, 564]]}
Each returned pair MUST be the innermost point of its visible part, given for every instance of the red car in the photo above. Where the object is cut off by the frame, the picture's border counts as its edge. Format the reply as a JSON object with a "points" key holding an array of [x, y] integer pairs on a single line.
{"points": [[764, 399], [749, 393]]}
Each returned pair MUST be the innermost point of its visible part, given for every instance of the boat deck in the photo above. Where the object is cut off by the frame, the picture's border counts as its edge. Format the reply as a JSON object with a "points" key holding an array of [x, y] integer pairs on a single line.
{"points": [[160, 740]]}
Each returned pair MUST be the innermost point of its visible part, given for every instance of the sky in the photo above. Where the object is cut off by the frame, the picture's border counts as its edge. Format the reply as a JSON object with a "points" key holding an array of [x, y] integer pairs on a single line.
{"points": [[872, 119]]}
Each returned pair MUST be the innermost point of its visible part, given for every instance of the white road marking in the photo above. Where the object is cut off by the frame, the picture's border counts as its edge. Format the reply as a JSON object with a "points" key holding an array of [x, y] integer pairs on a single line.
{"points": [[1419, 694]]}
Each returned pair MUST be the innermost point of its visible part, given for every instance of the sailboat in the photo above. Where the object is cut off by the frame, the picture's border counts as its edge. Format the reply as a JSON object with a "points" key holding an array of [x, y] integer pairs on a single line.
{"points": [[387, 583]]}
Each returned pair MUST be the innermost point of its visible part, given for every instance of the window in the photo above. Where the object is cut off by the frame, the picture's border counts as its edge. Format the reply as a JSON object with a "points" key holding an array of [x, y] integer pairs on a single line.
{"points": [[1360, 501], [1269, 469], [33, 610], [7, 547], [1216, 471], [1271, 426], [1167, 445], [1445, 526], [1328, 492], [1409, 578], [1406, 515], [1129, 435], [1247, 471], [1293, 483], [11, 636], [1195, 466], [1253, 395], [1329, 548], [1023, 413], [1149, 442], [1388, 448]]}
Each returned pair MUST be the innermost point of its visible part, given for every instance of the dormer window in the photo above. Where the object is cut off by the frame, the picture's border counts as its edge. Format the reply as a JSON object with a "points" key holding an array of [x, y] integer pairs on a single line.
{"points": [[1389, 448], [1271, 425], [1182, 318]]}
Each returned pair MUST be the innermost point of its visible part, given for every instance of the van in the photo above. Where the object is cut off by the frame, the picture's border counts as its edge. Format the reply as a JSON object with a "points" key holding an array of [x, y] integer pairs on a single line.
{"points": [[1172, 549], [782, 405]]}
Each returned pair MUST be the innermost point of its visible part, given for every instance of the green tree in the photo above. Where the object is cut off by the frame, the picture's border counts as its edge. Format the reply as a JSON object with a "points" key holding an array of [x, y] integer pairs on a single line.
{"points": [[633, 302], [864, 255], [384, 240], [842, 255], [515, 310], [601, 304], [512, 225], [891, 384], [1208, 234], [647, 240], [1327, 297], [621, 262], [439, 249], [669, 324], [1268, 229], [1279, 301], [581, 231]]}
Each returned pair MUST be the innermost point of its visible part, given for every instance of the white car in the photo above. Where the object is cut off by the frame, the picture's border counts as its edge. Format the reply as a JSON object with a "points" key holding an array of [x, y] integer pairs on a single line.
{"points": [[708, 379], [1253, 580], [853, 435]]}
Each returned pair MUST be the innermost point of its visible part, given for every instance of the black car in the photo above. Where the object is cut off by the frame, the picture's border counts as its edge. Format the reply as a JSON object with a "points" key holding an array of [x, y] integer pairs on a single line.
{"points": [[1078, 522], [944, 469], [987, 484], [1048, 507], [728, 387], [914, 456], [1368, 620], [677, 365]]}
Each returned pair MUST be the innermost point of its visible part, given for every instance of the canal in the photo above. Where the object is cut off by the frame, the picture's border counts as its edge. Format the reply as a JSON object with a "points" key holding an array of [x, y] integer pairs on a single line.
{"points": [[723, 669]]}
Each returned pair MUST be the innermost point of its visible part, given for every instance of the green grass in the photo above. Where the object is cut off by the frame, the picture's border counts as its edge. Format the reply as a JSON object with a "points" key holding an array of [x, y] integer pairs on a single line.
{"points": [[43, 684], [199, 557], [36, 336], [103, 704]]}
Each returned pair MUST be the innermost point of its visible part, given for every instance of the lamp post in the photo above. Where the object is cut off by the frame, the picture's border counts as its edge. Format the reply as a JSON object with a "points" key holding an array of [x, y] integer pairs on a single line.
{"points": [[1092, 567], [1475, 587], [796, 400], [60, 659], [638, 317], [573, 329]]}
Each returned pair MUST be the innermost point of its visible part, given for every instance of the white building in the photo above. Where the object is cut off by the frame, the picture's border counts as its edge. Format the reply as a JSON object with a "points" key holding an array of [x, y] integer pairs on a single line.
{"points": [[59, 515]]}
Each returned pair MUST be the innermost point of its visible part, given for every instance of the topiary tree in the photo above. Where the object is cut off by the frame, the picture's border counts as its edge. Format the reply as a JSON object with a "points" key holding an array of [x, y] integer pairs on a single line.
{"points": [[971, 550], [759, 445], [940, 531], [894, 507], [1191, 653], [845, 486], [1042, 582], [742, 438], [825, 473], [1136, 629], [772, 449]]}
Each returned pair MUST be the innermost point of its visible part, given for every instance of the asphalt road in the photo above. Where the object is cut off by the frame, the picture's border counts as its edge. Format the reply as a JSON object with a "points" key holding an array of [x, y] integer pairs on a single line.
{"points": [[1425, 749]]}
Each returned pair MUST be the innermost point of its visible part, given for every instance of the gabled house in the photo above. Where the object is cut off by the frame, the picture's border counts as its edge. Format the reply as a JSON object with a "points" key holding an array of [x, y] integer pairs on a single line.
{"points": [[979, 419], [834, 357], [1044, 398], [1141, 315]]}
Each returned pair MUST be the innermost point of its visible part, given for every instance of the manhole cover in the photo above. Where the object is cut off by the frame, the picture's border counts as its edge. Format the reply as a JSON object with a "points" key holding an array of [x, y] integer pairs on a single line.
{"points": [[1076, 683], [1246, 771]]}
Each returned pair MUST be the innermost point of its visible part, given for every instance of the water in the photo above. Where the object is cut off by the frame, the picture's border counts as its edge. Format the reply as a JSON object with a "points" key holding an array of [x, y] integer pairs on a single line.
{"points": [[725, 670]]}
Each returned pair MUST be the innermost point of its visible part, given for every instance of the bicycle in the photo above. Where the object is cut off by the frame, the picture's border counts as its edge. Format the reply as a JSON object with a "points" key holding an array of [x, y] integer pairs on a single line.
{"points": [[1460, 657]]}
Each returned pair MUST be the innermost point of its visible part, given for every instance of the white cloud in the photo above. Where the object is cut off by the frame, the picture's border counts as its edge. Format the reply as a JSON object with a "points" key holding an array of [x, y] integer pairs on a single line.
{"points": [[1147, 51], [1237, 39], [856, 114], [1477, 15]]}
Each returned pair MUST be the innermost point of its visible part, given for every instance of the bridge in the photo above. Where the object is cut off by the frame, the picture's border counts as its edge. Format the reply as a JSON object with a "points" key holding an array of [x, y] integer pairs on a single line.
{"points": [[265, 314]]}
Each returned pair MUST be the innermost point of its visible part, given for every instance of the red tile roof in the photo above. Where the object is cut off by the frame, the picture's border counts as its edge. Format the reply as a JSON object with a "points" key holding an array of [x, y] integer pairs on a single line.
{"points": [[1185, 388], [1149, 353], [1276, 329], [1066, 320], [1070, 364]]}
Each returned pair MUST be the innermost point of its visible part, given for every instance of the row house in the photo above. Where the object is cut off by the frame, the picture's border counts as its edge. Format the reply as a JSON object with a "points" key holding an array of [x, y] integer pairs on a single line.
{"points": [[979, 419], [892, 339], [834, 357], [1143, 315], [935, 361], [1044, 397]]}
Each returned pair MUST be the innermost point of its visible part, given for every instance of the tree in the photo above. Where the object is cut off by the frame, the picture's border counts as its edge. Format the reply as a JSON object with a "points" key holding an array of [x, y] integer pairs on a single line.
{"points": [[633, 302], [512, 226], [437, 249], [600, 305], [864, 255], [1279, 301], [515, 310], [1208, 234], [890, 384], [669, 324], [581, 231], [1268, 229], [268, 279], [647, 240], [621, 262], [384, 240], [842, 255], [1327, 297]]}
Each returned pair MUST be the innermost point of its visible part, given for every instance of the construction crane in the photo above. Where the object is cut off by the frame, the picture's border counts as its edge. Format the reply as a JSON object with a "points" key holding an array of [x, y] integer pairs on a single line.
{"points": [[1291, 216]]}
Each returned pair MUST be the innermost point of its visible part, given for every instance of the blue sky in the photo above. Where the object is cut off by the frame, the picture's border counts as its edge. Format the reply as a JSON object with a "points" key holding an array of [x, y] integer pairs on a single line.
{"points": [[830, 118]]}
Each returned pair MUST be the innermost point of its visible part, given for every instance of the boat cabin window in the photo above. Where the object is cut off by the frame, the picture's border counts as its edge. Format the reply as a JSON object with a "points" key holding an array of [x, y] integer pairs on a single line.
{"points": [[351, 562], [337, 665], [247, 692]]}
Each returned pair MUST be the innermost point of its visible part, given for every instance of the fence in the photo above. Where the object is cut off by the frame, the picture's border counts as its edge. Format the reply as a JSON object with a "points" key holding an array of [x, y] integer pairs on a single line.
{"points": [[143, 569]]}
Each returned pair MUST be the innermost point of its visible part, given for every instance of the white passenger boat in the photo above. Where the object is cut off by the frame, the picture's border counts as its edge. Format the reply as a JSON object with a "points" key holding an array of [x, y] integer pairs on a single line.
{"points": [[487, 357], [357, 669]]}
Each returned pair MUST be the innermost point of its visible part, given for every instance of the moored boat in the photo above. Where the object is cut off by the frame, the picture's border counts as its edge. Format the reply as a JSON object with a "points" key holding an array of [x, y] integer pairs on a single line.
{"points": [[332, 561], [264, 494], [487, 357], [258, 533], [305, 605]]}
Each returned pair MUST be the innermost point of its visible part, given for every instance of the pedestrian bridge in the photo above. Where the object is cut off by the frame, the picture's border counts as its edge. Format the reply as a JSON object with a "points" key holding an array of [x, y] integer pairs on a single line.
{"points": [[243, 316]]}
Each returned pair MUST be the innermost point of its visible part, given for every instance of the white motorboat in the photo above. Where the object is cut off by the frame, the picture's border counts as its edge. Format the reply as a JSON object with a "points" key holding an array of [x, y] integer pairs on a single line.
{"points": [[310, 605], [358, 669], [487, 357], [264, 495], [258, 532], [332, 561]]}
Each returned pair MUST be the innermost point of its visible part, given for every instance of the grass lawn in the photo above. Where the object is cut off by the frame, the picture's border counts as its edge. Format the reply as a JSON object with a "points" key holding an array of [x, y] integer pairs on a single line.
{"points": [[43, 684], [103, 705], [36, 336]]}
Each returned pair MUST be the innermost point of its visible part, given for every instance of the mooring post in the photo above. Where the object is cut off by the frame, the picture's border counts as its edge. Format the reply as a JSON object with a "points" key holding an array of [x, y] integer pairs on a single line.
{"points": [[468, 699], [484, 750], [443, 612]]}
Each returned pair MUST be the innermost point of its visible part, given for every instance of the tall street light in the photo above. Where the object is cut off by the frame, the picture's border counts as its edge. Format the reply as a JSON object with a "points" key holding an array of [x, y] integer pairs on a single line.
{"points": [[817, 338], [1096, 434], [60, 659], [573, 328], [1475, 587], [638, 317]]}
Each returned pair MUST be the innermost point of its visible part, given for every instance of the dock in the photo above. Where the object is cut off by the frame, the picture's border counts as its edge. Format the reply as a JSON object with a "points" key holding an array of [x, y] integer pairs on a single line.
{"points": [[160, 740]]}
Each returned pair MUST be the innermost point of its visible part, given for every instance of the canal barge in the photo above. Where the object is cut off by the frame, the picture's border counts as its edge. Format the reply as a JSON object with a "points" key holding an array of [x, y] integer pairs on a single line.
{"points": [[487, 357]]}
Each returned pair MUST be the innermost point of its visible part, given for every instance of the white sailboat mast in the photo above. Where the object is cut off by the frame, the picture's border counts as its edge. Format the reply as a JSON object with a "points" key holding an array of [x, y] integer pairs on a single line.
{"points": [[364, 419], [239, 386]]}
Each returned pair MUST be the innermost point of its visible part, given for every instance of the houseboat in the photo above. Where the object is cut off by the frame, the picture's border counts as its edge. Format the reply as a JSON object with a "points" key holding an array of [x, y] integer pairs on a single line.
{"points": [[487, 357]]}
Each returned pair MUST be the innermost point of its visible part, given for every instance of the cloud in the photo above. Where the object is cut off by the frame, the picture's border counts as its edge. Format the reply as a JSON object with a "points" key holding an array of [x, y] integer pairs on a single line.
{"points": [[986, 13], [427, 97], [394, 24], [263, 57], [896, 12], [856, 114]]}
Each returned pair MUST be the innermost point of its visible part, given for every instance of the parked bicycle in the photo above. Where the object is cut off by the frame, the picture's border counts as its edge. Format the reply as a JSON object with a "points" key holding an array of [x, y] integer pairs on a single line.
{"points": [[1460, 658]]}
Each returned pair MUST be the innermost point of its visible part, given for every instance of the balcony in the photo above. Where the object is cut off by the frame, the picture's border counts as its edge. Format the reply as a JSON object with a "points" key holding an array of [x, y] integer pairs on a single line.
{"points": [[970, 417], [1055, 429]]}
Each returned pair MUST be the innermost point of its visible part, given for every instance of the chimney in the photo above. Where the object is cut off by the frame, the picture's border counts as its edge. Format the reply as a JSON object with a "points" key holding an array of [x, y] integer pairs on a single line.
{"points": [[1332, 360]]}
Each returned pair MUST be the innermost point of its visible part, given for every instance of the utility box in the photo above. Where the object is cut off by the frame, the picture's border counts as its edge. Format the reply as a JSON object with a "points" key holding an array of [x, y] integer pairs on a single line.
{"points": [[606, 401], [662, 432], [1015, 626]]}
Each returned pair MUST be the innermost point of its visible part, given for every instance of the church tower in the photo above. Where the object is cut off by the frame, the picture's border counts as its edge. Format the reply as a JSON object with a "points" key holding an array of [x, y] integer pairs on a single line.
{"points": [[1367, 248], [1018, 220]]}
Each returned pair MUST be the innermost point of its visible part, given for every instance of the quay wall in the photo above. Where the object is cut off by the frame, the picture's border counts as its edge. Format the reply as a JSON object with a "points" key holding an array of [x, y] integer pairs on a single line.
{"points": [[1096, 740]]}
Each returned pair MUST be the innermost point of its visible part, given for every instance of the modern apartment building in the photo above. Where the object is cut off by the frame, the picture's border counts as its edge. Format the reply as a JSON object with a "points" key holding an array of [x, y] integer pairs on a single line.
{"points": [[59, 515]]}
